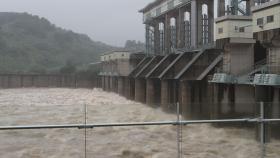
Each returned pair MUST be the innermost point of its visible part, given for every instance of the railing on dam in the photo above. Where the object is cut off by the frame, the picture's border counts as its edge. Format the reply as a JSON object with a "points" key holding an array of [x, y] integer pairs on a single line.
{"points": [[83, 132]]}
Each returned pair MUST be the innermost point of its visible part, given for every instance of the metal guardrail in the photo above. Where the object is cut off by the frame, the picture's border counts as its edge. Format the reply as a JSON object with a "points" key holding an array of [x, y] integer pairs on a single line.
{"points": [[261, 120], [163, 123]]}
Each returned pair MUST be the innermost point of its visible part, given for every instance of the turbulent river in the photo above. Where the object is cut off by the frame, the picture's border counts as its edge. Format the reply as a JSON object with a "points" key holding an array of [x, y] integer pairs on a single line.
{"points": [[67, 106]]}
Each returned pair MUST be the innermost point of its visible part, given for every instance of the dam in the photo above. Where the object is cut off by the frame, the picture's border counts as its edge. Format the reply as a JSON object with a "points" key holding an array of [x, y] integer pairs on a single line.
{"points": [[216, 62], [201, 62]]}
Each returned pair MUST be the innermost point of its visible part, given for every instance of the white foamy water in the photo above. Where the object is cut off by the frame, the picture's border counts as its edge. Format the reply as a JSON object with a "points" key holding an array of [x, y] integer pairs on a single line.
{"points": [[66, 106]]}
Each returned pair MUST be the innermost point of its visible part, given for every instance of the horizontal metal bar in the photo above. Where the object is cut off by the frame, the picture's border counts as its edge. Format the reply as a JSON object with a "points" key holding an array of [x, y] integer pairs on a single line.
{"points": [[271, 120], [164, 123], [82, 126], [41, 127]]}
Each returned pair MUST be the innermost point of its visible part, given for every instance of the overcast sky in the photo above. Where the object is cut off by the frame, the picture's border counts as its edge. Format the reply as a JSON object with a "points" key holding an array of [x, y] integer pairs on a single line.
{"points": [[109, 21]]}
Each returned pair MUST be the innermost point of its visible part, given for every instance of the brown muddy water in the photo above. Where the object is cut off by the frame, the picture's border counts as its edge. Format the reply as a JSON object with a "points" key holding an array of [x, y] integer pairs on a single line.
{"points": [[67, 106]]}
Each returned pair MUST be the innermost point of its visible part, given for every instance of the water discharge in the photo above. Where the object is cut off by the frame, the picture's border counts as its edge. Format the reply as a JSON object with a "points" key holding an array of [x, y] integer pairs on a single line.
{"points": [[66, 106]]}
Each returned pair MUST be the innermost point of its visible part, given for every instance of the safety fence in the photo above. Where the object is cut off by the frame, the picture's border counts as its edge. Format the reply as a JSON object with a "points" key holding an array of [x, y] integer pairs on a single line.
{"points": [[90, 139]]}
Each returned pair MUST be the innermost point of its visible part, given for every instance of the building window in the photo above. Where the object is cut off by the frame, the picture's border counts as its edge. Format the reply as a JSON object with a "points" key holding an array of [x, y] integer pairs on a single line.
{"points": [[270, 19], [220, 30], [260, 21], [242, 29]]}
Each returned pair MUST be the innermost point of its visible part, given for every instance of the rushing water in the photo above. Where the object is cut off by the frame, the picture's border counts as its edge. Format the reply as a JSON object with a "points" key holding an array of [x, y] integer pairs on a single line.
{"points": [[67, 106]]}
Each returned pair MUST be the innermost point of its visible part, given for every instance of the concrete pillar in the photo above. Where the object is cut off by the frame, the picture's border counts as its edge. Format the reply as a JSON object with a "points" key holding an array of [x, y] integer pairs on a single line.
{"points": [[150, 91], [178, 33], [128, 88], [216, 108], [157, 89], [186, 100], [164, 94], [120, 86], [199, 24], [103, 82], [111, 80], [132, 88], [157, 38], [196, 101], [221, 8], [181, 34], [174, 89], [276, 107], [169, 95], [194, 23], [210, 98], [211, 17], [99, 85], [140, 90], [115, 84], [148, 41], [125, 87], [232, 100], [196, 104], [249, 4], [167, 38], [108, 83], [153, 92], [174, 40], [187, 32], [248, 8]]}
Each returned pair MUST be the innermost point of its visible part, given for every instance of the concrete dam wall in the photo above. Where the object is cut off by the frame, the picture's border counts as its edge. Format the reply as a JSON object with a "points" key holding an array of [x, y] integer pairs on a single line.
{"points": [[39, 80]]}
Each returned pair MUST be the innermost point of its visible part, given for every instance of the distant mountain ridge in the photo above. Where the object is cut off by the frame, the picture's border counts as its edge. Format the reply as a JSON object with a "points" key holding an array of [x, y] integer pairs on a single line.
{"points": [[29, 43]]}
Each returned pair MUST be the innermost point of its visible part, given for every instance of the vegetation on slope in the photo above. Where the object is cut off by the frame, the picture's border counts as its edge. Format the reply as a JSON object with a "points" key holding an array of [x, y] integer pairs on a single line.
{"points": [[32, 44], [135, 45]]}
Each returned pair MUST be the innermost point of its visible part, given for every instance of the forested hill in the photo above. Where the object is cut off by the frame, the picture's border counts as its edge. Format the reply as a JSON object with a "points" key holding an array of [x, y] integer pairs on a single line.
{"points": [[32, 44]]}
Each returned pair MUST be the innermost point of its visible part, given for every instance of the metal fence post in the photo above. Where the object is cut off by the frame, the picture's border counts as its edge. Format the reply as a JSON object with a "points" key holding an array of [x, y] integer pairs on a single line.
{"points": [[262, 130], [85, 123], [179, 132]]}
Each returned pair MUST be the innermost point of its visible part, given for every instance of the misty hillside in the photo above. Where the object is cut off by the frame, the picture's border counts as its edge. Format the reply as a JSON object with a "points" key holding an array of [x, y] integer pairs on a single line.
{"points": [[32, 44]]}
